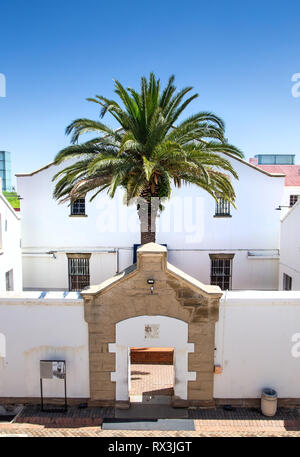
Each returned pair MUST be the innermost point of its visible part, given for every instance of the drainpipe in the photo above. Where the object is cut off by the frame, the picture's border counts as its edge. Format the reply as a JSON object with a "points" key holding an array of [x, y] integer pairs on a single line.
{"points": [[118, 259]]}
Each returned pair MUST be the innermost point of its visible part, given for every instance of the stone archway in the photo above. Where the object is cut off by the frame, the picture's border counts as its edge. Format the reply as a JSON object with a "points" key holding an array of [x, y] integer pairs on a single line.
{"points": [[173, 294], [170, 332]]}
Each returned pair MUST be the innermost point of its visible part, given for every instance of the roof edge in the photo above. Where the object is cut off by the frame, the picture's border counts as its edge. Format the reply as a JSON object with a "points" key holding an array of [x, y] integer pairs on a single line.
{"points": [[272, 175], [36, 171], [6, 202], [291, 210]]}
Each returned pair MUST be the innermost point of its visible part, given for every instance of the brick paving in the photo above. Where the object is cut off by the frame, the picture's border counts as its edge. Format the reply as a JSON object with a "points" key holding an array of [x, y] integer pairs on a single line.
{"points": [[152, 379], [244, 422]]}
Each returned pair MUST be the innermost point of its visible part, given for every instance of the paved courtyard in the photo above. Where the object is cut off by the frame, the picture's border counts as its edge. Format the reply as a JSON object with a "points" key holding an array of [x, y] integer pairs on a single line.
{"points": [[151, 379], [208, 422]]}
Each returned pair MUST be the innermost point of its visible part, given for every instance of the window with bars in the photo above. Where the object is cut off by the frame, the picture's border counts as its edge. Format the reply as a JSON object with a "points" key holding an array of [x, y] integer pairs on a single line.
{"points": [[222, 208], [287, 282], [293, 199], [221, 271], [79, 272], [9, 280], [78, 207]]}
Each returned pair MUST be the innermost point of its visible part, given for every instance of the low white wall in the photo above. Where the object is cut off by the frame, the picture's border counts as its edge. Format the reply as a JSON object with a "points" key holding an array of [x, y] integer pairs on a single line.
{"points": [[255, 337], [35, 328], [257, 343]]}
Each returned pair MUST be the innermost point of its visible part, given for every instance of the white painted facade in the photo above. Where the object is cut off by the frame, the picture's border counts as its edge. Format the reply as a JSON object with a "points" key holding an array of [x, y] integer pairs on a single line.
{"points": [[290, 247], [187, 226], [285, 202], [10, 247], [51, 327], [257, 343]]}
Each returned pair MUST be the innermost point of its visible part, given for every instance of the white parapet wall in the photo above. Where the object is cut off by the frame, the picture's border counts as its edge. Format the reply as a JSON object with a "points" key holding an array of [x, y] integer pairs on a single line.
{"points": [[36, 326], [258, 344]]}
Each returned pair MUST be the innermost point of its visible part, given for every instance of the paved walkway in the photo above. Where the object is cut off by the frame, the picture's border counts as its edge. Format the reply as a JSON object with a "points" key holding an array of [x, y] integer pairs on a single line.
{"points": [[211, 422], [152, 379]]}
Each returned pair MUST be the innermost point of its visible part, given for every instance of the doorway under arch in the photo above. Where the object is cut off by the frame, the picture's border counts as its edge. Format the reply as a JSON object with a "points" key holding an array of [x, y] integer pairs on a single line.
{"points": [[152, 331]]}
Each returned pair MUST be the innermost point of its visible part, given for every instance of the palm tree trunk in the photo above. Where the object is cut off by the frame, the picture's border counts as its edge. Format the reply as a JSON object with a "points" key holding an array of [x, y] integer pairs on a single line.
{"points": [[148, 206]]}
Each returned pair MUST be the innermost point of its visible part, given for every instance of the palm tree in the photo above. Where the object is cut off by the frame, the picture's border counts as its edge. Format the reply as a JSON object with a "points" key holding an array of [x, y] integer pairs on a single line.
{"points": [[148, 152]]}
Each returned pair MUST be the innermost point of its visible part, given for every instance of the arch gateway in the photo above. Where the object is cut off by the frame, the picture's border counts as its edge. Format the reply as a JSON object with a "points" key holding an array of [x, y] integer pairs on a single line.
{"points": [[151, 304]]}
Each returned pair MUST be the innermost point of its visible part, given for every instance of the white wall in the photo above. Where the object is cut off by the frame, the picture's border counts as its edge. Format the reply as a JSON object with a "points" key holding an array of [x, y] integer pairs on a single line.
{"points": [[188, 223], [51, 272], [290, 247], [254, 341], [10, 245], [47, 328], [257, 272], [257, 343], [285, 202]]}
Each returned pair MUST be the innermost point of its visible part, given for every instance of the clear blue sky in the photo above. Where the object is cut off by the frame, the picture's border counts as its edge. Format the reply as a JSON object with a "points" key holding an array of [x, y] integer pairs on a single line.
{"points": [[239, 56]]}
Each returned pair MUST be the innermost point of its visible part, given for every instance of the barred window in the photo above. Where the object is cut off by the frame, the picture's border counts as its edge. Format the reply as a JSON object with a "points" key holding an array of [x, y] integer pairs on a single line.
{"points": [[78, 207], [287, 282], [222, 207], [79, 272], [293, 199], [9, 280], [221, 270]]}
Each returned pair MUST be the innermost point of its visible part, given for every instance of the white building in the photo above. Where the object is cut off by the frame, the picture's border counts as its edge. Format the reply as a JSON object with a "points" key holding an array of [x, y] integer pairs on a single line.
{"points": [[284, 164], [235, 248], [289, 270], [10, 247]]}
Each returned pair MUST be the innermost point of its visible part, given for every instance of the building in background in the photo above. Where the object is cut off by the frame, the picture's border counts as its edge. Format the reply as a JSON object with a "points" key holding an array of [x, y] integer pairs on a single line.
{"points": [[6, 177], [69, 248], [285, 164], [289, 267], [10, 247], [5, 171]]}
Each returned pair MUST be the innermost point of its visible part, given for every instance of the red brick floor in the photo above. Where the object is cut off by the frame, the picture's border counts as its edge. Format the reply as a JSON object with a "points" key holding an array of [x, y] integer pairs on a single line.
{"points": [[211, 422], [152, 379]]}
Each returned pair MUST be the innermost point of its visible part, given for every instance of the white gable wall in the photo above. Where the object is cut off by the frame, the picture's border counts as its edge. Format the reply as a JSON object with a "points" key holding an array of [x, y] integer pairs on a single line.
{"points": [[187, 226]]}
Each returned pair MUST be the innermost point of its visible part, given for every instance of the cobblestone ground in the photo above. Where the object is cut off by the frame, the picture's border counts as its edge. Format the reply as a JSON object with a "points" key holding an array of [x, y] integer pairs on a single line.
{"points": [[208, 423]]}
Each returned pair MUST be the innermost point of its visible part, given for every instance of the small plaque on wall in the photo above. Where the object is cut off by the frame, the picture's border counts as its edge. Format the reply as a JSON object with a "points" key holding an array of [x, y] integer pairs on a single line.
{"points": [[151, 331]]}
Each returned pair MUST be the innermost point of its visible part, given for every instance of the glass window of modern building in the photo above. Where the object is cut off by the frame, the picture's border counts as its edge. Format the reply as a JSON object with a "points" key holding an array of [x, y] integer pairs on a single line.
{"points": [[275, 159], [5, 170]]}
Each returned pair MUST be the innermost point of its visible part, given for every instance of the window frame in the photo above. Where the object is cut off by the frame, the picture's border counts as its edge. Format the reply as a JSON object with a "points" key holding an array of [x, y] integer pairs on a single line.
{"points": [[222, 208], [293, 197], [81, 204], [81, 263], [227, 260], [9, 280], [287, 282]]}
